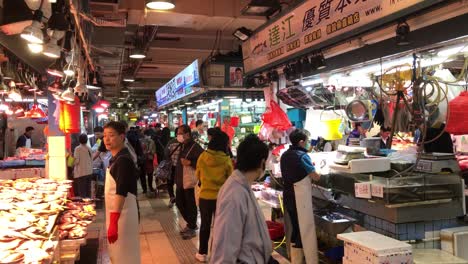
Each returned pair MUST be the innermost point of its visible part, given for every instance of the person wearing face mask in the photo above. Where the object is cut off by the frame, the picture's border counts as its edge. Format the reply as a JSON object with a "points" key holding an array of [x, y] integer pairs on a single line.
{"points": [[240, 233], [185, 191], [297, 172]]}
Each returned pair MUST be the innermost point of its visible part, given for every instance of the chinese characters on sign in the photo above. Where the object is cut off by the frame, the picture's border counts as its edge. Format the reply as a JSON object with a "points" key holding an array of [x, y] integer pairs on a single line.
{"points": [[285, 30], [313, 22]]}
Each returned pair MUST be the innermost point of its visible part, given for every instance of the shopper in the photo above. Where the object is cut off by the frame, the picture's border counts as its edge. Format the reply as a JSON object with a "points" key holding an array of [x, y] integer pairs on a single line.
{"points": [[213, 168], [129, 146], [172, 152], [358, 132], [120, 198], [185, 180], [24, 141], [98, 135], [198, 133], [384, 135], [297, 170], [83, 168], [240, 232], [161, 143], [149, 150], [212, 131]]}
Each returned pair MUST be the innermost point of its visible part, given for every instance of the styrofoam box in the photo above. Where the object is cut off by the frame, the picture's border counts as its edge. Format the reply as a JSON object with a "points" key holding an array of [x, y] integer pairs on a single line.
{"points": [[447, 238], [375, 243]]}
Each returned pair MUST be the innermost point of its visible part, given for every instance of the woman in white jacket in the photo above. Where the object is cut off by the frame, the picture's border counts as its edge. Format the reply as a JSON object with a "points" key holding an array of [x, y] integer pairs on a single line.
{"points": [[240, 231], [83, 168]]}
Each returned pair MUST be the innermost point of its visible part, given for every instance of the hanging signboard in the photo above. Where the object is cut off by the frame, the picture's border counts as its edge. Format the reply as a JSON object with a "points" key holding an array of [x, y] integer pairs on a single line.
{"points": [[317, 21], [179, 86]]}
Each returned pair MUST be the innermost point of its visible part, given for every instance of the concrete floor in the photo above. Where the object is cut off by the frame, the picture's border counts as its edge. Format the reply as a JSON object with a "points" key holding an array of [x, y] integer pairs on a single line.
{"points": [[159, 236]]}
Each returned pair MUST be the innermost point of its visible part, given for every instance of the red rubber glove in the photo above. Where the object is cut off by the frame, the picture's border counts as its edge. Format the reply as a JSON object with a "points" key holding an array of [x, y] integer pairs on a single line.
{"points": [[113, 230]]}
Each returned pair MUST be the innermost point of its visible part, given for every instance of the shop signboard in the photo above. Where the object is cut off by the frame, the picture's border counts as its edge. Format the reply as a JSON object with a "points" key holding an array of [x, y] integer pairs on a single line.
{"points": [[179, 86], [317, 22]]}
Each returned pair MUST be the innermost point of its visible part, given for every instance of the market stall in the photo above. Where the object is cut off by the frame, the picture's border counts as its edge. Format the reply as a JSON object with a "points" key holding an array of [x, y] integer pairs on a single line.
{"points": [[392, 75]]}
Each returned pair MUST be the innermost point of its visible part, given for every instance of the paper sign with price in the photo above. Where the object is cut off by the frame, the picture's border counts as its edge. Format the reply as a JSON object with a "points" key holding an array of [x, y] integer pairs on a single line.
{"points": [[362, 190], [377, 190]]}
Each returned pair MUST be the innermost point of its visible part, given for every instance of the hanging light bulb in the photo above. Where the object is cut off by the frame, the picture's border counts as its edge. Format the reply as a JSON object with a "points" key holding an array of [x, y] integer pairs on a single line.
{"points": [[53, 50], [35, 48], [68, 95], [69, 70], [14, 94], [3, 87], [56, 86], [55, 69], [33, 32]]}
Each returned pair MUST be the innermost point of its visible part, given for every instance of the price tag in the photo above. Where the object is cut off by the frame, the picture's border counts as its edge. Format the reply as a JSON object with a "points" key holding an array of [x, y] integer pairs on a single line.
{"points": [[377, 190], [362, 190]]}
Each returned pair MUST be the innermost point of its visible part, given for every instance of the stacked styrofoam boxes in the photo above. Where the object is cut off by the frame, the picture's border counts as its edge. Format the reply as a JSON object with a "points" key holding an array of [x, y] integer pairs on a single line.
{"points": [[372, 248]]}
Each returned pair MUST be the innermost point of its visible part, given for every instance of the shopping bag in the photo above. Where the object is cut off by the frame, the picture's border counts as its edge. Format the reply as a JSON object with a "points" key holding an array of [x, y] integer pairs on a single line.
{"points": [[164, 170], [275, 117], [189, 177]]}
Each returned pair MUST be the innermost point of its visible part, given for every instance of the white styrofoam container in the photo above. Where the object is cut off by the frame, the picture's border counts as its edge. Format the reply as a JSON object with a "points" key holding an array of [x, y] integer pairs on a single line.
{"points": [[447, 238], [363, 165], [375, 243]]}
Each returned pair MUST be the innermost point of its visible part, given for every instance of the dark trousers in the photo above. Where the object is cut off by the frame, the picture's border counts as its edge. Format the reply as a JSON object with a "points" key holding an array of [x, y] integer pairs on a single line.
{"points": [[170, 184], [296, 232], [144, 178], [207, 212], [185, 201], [82, 186]]}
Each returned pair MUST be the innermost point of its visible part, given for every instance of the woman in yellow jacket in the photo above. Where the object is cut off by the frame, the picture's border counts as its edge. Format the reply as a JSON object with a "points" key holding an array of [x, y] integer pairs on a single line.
{"points": [[213, 168]]}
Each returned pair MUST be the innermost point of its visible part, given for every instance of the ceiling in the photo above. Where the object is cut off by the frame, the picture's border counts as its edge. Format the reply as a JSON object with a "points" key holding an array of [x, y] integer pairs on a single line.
{"points": [[173, 40]]}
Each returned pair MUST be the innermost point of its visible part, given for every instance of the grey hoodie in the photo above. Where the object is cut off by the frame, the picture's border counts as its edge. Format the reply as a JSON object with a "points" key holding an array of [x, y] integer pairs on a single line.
{"points": [[240, 231]]}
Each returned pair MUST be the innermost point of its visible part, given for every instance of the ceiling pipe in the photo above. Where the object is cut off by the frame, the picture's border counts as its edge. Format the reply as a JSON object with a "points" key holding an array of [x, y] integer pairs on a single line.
{"points": [[74, 11], [145, 48]]}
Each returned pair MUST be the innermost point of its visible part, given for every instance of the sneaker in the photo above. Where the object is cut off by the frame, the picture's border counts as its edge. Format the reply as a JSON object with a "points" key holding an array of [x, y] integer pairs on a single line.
{"points": [[185, 229], [203, 258], [191, 233]]}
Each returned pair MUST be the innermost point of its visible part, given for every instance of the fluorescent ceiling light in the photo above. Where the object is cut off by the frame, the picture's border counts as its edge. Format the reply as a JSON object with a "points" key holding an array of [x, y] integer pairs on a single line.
{"points": [[452, 51], [160, 4], [128, 79], [35, 47], [137, 54], [230, 97], [92, 87]]}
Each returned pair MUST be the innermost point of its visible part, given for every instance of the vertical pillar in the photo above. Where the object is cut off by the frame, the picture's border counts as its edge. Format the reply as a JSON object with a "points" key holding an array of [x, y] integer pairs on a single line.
{"points": [[184, 115]]}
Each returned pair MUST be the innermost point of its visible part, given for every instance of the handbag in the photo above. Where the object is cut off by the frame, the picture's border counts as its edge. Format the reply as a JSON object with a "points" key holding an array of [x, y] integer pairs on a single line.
{"points": [[164, 169], [189, 177]]}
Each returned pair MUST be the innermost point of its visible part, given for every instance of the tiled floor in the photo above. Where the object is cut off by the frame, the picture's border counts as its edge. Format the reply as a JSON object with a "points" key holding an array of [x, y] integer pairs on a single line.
{"points": [[159, 235]]}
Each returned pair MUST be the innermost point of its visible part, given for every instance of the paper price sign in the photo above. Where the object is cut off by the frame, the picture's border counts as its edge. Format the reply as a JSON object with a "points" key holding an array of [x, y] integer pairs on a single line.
{"points": [[362, 190], [377, 190]]}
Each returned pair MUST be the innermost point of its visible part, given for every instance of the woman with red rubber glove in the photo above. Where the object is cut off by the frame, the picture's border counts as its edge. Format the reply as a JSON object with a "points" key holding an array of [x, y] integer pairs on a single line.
{"points": [[120, 197]]}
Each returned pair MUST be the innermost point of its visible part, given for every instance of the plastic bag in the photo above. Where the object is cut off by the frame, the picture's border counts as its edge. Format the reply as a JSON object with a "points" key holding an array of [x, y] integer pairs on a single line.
{"points": [[275, 117], [457, 123]]}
